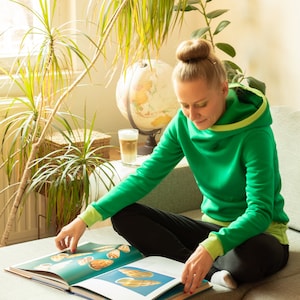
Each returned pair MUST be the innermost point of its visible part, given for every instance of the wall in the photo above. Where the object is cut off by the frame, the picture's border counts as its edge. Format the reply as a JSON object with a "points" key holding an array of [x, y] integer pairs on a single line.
{"points": [[263, 33]]}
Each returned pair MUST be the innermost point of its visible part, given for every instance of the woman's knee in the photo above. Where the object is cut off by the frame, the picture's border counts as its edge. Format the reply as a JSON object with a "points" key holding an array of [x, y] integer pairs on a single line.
{"points": [[255, 259], [121, 219]]}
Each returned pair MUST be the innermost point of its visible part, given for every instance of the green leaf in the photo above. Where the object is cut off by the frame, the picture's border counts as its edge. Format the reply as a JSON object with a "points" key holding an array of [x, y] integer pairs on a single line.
{"points": [[237, 77], [221, 26], [186, 8], [234, 72], [257, 84], [228, 49], [216, 13], [199, 32], [192, 1], [230, 64]]}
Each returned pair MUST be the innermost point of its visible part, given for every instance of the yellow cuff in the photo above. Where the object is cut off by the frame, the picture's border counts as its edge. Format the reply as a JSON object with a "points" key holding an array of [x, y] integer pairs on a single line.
{"points": [[213, 246], [90, 216]]}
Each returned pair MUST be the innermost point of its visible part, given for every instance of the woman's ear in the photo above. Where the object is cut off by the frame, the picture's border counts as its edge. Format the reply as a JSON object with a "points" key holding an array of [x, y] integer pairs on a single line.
{"points": [[225, 88]]}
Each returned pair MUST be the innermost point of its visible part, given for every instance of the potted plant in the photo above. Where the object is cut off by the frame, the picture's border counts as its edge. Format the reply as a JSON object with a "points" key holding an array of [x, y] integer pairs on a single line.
{"points": [[209, 32], [62, 174], [46, 83]]}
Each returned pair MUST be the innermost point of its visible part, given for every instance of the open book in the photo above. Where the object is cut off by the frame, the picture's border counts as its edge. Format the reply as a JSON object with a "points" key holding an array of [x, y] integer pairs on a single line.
{"points": [[108, 271]]}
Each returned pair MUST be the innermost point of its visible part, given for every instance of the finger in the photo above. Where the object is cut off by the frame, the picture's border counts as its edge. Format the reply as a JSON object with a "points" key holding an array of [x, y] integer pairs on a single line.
{"points": [[184, 275], [73, 244], [188, 282], [60, 242], [195, 283], [187, 276]]}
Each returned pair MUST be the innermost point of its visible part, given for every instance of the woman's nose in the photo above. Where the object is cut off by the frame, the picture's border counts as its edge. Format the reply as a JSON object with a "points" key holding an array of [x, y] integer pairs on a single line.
{"points": [[194, 114]]}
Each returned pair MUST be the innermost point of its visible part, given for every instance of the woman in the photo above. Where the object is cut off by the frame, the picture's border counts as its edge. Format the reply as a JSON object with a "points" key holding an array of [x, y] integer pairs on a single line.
{"points": [[226, 137]]}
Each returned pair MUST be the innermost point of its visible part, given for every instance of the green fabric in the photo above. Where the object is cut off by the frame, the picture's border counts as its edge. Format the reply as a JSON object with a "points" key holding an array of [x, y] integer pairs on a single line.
{"points": [[90, 216], [213, 245], [234, 163]]}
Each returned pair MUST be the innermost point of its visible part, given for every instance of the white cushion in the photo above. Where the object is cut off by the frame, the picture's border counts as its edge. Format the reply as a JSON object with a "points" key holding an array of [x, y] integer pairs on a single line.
{"points": [[286, 127]]}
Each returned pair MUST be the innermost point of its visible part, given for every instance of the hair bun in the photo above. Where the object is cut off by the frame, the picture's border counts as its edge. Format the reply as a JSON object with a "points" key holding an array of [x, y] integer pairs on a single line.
{"points": [[193, 50]]}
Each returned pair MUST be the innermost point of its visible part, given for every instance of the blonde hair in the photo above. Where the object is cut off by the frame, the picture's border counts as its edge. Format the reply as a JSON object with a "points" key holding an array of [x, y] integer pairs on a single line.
{"points": [[196, 60]]}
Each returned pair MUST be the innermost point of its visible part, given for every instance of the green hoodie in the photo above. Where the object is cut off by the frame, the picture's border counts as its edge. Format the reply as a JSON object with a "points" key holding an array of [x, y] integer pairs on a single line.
{"points": [[235, 165]]}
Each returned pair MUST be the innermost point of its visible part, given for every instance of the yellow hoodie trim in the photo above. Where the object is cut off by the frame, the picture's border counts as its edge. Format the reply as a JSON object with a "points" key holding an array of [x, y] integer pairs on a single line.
{"points": [[213, 246], [250, 119], [90, 216]]}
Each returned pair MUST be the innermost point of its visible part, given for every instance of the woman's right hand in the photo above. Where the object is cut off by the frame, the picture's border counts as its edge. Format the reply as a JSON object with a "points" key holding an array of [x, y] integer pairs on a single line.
{"points": [[195, 269], [70, 235]]}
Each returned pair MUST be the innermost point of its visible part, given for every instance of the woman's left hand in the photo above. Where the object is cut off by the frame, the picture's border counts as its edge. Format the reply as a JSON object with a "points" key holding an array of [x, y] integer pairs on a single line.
{"points": [[195, 269]]}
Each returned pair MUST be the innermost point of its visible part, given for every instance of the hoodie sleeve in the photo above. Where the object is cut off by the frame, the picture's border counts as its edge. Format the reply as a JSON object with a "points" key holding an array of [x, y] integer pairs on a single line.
{"points": [[164, 158], [259, 155]]}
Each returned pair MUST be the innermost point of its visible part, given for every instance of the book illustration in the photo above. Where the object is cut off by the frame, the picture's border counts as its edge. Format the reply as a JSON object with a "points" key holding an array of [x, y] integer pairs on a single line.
{"points": [[139, 280], [85, 260], [99, 264], [104, 248], [136, 273], [51, 267], [124, 248], [59, 256], [59, 260], [133, 283], [89, 258], [113, 254]]}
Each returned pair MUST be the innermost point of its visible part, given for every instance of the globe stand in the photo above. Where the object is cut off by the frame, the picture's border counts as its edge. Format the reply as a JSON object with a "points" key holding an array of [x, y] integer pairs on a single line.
{"points": [[149, 145]]}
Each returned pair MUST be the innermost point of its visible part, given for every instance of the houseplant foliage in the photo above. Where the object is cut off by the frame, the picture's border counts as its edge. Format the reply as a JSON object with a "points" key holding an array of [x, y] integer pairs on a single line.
{"points": [[63, 173], [30, 117], [139, 26]]}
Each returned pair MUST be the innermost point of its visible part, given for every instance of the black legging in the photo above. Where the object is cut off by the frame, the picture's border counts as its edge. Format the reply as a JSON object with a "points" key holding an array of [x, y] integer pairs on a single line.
{"points": [[155, 232]]}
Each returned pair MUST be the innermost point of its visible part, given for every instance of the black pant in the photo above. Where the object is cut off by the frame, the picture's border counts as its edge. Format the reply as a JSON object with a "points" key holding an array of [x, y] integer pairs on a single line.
{"points": [[156, 232]]}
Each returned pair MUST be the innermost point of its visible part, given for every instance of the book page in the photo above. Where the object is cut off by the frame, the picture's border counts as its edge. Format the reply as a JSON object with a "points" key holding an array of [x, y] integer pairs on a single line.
{"points": [[90, 260], [143, 279]]}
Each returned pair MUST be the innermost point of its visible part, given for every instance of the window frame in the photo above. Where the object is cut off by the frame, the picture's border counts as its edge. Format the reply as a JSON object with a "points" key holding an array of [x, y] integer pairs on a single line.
{"points": [[66, 11]]}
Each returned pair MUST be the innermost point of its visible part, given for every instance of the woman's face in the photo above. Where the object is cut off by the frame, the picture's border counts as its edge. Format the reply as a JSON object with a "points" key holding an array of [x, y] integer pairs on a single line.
{"points": [[201, 104]]}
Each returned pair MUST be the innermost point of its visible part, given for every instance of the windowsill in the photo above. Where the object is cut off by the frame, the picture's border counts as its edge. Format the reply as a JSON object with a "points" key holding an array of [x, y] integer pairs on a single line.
{"points": [[10, 89]]}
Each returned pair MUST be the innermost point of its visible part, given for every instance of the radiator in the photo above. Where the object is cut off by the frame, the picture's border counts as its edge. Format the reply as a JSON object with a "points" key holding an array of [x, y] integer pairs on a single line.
{"points": [[30, 223]]}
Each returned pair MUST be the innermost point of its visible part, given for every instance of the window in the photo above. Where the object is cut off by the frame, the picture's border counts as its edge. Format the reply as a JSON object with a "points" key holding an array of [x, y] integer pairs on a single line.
{"points": [[15, 21]]}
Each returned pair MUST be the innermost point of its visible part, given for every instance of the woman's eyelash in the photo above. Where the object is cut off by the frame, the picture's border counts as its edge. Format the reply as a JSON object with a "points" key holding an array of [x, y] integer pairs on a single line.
{"points": [[196, 105], [200, 104]]}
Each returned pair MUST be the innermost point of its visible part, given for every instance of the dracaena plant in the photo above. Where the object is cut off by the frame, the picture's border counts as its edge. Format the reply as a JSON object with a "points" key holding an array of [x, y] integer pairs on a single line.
{"points": [[213, 27], [63, 174], [139, 28], [43, 83]]}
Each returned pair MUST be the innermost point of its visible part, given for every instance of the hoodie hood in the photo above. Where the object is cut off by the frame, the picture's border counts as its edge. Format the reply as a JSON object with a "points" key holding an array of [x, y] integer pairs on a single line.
{"points": [[245, 108]]}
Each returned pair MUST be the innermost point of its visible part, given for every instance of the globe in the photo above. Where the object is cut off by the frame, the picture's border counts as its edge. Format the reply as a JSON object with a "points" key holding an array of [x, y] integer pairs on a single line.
{"points": [[145, 96]]}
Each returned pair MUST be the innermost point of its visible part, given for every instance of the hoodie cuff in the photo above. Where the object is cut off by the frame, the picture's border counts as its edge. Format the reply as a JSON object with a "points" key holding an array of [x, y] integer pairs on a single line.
{"points": [[213, 246], [90, 216]]}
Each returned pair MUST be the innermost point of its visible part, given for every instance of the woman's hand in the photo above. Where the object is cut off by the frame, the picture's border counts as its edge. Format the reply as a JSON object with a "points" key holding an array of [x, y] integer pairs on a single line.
{"points": [[70, 235], [196, 268]]}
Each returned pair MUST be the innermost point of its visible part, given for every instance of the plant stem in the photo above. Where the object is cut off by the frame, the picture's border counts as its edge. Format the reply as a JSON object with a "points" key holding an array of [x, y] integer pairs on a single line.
{"points": [[207, 21], [35, 147]]}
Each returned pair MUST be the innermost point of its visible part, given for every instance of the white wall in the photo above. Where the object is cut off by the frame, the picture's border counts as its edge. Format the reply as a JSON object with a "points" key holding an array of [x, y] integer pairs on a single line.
{"points": [[264, 34]]}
